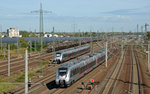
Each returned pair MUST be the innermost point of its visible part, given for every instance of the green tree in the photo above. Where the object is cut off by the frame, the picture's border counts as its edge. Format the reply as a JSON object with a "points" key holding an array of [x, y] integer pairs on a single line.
{"points": [[24, 33], [148, 36], [12, 46], [23, 43]]}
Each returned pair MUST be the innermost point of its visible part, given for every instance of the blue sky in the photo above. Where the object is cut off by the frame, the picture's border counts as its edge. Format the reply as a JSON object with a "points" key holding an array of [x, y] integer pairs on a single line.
{"points": [[96, 15]]}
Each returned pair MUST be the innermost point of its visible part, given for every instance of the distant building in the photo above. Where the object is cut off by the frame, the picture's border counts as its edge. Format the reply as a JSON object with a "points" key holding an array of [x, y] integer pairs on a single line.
{"points": [[47, 35], [148, 32], [2, 35], [50, 35], [37, 35], [12, 32], [55, 35], [61, 36]]}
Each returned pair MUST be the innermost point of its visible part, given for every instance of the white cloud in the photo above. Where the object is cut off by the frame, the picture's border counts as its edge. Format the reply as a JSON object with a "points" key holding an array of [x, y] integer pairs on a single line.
{"points": [[117, 18], [123, 17]]}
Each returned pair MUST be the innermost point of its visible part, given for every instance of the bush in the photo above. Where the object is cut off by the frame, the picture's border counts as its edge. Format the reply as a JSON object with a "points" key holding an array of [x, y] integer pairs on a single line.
{"points": [[23, 42]]}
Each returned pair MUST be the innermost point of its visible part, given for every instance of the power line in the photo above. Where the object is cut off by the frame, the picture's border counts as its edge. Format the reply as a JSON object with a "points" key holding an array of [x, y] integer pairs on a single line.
{"points": [[41, 29]]}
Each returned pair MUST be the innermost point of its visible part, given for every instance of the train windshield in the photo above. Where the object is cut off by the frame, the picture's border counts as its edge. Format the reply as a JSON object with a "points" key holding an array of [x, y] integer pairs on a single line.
{"points": [[58, 54], [62, 71]]}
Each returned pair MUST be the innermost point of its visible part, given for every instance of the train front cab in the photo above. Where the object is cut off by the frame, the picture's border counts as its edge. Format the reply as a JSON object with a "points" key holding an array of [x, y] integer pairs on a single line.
{"points": [[62, 77], [58, 58]]}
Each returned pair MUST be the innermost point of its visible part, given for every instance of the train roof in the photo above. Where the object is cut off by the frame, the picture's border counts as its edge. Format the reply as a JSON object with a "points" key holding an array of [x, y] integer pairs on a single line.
{"points": [[72, 63], [72, 49], [69, 64]]}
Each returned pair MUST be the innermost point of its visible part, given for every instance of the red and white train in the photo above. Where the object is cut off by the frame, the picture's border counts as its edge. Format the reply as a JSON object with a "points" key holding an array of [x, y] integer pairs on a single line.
{"points": [[71, 71]]}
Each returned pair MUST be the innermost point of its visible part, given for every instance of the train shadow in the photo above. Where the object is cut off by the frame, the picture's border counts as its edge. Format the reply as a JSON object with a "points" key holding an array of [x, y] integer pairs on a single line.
{"points": [[52, 85]]}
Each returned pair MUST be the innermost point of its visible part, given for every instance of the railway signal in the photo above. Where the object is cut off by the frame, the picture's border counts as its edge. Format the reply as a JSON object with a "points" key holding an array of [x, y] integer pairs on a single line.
{"points": [[92, 81]]}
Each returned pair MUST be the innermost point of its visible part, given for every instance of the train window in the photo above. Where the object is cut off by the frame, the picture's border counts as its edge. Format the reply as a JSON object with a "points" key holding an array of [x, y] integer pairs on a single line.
{"points": [[62, 70], [71, 74], [58, 54], [74, 72], [65, 55], [62, 73], [84, 68], [77, 70]]}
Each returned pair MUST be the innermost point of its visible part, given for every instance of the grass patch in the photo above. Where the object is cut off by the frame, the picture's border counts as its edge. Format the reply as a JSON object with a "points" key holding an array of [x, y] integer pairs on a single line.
{"points": [[20, 78], [45, 63], [6, 87], [2, 56], [39, 71]]}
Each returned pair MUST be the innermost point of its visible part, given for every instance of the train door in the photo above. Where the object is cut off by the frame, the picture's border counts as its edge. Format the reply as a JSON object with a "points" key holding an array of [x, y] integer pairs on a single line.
{"points": [[87, 67], [99, 59], [95, 60], [79, 71], [73, 54]]}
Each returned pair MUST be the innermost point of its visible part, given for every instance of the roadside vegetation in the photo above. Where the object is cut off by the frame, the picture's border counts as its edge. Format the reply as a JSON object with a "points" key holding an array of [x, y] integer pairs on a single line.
{"points": [[19, 78]]}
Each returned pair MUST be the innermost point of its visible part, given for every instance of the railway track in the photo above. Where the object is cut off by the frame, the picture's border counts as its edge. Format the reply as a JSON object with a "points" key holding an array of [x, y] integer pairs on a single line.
{"points": [[109, 83], [60, 90], [17, 64], [63, 90], [43, 79], [94, 87], [135, 86], [115, 84]]}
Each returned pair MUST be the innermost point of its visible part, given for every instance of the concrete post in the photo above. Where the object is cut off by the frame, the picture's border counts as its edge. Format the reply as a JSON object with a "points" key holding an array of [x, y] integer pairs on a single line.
{"points": [[1, 41], [26, 71], [35, 46], [122, 49], [97, 36], [18, 46], [106, 57], [148, 56], [91, 43], [1, 46], [79, 38], [30, 46], [8, 60], [53, 41], [4, 50]]}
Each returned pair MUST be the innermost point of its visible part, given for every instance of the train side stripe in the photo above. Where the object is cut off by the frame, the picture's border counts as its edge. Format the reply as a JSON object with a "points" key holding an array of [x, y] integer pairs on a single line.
{"points": [[87, 67], [79, 72]]}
